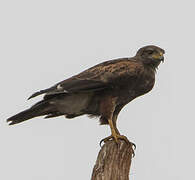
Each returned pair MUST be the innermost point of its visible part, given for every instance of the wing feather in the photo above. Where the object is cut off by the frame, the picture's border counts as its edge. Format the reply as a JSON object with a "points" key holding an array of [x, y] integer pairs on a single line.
{"points": [[96, 78]]}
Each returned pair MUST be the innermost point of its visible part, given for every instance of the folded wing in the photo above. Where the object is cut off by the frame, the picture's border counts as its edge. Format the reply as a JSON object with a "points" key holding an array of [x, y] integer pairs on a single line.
{"points": [[72, 85], [96, 78]]}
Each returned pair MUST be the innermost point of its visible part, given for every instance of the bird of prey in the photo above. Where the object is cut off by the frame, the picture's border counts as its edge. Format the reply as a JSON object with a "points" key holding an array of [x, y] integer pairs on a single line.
{"points": [[100, 91]]}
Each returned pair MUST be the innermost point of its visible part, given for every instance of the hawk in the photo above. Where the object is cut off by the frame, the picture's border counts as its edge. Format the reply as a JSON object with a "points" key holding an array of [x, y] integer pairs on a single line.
{"points": [[100, 91]]}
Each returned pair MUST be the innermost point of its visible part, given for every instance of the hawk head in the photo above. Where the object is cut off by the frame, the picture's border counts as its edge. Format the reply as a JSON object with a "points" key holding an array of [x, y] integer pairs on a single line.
{"points": [[151, 55]]}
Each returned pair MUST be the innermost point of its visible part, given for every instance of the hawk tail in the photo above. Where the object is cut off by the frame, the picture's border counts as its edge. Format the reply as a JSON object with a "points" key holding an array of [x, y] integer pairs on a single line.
{"points": [[39, 109]]}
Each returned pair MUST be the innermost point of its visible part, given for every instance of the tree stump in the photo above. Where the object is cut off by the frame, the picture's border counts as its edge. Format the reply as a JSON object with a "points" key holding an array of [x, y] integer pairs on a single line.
{"points": [[113, 161]]}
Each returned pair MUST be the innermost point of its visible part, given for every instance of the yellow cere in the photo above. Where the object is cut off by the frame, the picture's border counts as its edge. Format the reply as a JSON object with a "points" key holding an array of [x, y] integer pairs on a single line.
{"points": [[157, 55], [161, 53]]}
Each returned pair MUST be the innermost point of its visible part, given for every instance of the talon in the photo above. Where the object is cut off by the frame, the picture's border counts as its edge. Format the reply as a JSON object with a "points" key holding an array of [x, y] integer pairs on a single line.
{"points": [[133, 146], [105, 139], [100, 143]]}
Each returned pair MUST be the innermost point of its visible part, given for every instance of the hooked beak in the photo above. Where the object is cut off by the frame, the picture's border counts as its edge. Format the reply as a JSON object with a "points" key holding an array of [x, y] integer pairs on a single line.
{"points": [[161, 57]]}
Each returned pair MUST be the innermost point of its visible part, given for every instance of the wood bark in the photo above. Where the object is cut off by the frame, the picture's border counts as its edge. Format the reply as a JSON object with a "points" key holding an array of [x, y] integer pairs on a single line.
{"points": [[113, 161]]}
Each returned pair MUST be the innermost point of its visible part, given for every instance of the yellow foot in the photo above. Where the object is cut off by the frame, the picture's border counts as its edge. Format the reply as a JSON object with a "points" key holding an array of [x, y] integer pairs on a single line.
{"points": [[116, 137]]}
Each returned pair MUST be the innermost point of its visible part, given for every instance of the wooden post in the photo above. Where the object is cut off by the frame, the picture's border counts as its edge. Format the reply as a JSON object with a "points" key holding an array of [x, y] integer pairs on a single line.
{"points": [[113, 161]]}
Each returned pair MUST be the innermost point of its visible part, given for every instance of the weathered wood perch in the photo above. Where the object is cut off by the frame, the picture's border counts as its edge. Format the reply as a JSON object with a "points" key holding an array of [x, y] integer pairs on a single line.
{"points": [[113, 161]]}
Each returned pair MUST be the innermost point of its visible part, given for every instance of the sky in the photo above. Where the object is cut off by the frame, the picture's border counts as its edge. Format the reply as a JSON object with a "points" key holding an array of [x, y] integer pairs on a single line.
{"points": [[43, 42]]}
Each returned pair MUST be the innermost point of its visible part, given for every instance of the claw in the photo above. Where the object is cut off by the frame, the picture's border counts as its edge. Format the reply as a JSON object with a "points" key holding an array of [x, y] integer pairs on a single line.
{"points": [[133, 146], [105, 139]]}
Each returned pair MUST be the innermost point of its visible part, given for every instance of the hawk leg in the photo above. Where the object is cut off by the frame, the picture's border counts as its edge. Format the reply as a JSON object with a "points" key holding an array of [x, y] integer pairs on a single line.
{"points": [[107, 109], [115, 135]]}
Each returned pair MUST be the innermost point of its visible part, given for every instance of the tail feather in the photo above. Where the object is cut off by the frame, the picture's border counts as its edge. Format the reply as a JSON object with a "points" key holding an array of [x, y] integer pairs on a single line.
{"points": [[40, 109], [41, 92]]}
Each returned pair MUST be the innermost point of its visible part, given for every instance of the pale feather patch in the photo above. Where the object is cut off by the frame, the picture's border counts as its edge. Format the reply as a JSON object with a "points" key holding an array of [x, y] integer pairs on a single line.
{"points": [[59, 87]]}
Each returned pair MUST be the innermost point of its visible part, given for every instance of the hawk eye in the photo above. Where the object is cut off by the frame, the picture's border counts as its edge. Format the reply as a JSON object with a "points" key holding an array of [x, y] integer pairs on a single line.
{"points": [[150, 51]]}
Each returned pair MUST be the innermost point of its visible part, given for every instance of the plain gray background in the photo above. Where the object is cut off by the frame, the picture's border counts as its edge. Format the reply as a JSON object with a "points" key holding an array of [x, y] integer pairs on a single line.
{"points": [[44, 42]]}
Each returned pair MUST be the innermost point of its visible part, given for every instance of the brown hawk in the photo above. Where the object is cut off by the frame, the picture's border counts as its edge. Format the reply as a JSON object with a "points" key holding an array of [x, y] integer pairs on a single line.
{"points": [[100, 91]]}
